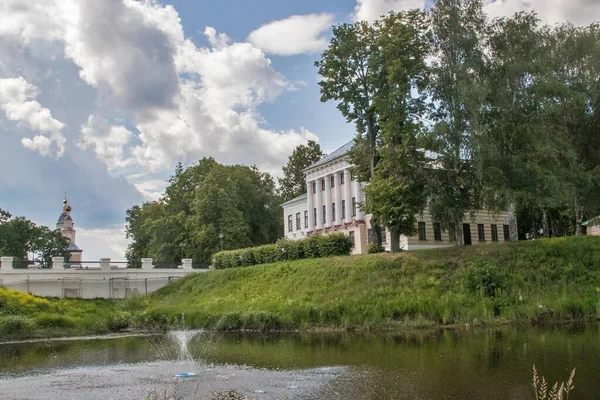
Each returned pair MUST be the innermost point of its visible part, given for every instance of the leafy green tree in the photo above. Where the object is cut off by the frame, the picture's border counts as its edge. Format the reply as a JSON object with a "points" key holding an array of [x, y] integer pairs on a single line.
{"points": [[458, 92], [49, 243], [19, 237], [293, 182], [200, 203], [352, 75], [573, 110], [396, 194]]}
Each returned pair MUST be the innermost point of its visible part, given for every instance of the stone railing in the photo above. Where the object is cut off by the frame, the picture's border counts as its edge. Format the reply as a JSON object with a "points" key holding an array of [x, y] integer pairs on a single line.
{"points": [[6, 263]]}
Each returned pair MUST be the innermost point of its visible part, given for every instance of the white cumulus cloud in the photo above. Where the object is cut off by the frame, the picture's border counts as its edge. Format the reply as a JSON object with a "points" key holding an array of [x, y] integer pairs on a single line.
{"points": [[370, 10], [17, 101], [297, 34], [107, 141]]}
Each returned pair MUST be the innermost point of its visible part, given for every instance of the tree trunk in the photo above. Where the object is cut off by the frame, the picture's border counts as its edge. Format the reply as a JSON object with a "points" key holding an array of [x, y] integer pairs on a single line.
{"points": [[394, 241], [545, 231], [376, 233], [513, 228], [578, 216], [458, 232]]}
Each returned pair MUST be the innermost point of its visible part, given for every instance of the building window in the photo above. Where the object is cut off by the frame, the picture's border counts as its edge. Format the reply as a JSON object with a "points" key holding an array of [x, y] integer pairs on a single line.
{"points": [[481, 232], [422, 232], [333, 211], [332, 181], [494, 232], [351, 236], [290, 226], [344, 209], [315, 217], [437, 231], [342, 178], [322, 184], [351, 175], [506, 233], [369, 235], [324, 213], [314, 187], [354, 206], [306, 219], [298, 226], [383, 236]]}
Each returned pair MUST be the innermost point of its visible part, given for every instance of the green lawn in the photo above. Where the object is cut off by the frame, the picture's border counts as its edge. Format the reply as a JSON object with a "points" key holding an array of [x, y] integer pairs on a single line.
{"points": [[554, 279], [544, 280]]}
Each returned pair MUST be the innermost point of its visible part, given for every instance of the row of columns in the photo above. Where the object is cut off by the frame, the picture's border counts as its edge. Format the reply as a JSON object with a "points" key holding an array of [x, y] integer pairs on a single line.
{"points": [[337, 218]]}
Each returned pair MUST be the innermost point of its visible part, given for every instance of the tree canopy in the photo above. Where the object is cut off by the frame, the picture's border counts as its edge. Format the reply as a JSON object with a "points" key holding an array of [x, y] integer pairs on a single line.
{"points": [[293, 183], [201, 203], [20, 238], [457, 112]]}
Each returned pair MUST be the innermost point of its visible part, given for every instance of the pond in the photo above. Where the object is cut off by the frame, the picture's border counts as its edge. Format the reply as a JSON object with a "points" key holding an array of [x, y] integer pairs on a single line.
{"points": [[441, 364]]}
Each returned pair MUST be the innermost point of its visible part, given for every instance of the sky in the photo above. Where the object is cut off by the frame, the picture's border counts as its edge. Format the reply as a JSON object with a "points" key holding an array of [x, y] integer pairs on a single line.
{"points": [[100, 99]]}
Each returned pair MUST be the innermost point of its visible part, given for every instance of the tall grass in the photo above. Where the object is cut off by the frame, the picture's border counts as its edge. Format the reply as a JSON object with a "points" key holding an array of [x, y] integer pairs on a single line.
{"points": [[556, 392], [546, 280]]}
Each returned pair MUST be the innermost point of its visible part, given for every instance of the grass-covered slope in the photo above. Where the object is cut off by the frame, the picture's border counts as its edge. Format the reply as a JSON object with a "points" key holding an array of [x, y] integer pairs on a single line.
{"points": [[554, 279], [24, 316]]}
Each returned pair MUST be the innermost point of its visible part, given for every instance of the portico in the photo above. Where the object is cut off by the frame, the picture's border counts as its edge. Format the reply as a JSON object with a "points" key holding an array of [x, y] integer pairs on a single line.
{"points": [[331, 204]]}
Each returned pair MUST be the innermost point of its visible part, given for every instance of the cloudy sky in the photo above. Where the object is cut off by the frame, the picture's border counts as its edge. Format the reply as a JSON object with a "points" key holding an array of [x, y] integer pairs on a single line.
{"points": [[100, 99]]}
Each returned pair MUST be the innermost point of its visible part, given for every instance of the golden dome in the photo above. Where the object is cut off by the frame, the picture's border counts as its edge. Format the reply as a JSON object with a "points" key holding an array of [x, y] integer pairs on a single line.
{"points": [[68, 209]]}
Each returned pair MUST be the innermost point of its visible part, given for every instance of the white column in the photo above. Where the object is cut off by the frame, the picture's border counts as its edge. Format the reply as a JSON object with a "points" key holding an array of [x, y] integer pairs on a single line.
{"points": [[186, 263], [7, 263], [105, 263], [58, 263], [147, 263], [358, 195], [338, 202], [309, 196], [328, 216], [347, 196], [319, 206]]}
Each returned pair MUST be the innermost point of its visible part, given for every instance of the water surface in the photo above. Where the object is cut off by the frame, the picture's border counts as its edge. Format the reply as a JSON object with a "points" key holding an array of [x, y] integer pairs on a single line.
{"points": [[448, 364]]}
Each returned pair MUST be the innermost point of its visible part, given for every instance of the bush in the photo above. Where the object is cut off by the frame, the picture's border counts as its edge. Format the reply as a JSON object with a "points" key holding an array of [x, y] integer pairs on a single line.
{"points": [[55, 321], [336, 244], [374, 248], [118, 321], [16, 325]]}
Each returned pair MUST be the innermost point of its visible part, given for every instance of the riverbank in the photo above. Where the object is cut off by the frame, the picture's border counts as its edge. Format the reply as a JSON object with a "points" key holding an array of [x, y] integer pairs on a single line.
{"points": [[527, 282], [530, 282]]}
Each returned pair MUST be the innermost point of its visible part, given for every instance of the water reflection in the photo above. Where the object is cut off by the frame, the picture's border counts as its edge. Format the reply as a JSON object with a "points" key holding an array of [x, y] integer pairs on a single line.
{"points": [[445, 364]]}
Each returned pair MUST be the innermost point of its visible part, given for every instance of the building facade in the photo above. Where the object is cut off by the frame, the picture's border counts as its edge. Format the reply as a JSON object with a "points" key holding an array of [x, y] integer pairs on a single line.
{"points": [[331, 204], [67, 229]]}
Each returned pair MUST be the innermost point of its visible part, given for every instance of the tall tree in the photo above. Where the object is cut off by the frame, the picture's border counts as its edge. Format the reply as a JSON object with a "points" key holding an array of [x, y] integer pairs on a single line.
{"points": [[200, 203], [351, 76], [293, 183], [574, 113], [395, 196], [458, 93]]}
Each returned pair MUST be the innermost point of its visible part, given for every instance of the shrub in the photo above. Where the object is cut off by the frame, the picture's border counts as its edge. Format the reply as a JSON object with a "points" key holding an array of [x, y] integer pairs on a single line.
{"points": [[486, 279], [16, 325], [118, 321], [55, 321], [374, 248], [336, 244]]}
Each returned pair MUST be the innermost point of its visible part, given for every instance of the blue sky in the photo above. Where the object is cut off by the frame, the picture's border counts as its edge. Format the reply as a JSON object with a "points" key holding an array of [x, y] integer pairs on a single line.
{"points": [[100, 99]]}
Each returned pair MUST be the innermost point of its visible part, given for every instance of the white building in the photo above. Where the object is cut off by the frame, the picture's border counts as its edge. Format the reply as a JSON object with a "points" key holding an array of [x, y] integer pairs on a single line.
{"points": [[331, 205], [67, 229]]}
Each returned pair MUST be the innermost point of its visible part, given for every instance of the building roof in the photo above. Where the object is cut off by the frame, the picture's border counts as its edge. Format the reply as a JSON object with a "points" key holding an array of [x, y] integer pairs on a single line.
{"points": [[301, 197], [592, 221], [342, 151], [62, 217], [72, 247]]}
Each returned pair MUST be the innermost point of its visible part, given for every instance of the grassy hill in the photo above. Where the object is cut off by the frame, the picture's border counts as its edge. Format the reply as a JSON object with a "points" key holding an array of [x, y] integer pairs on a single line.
{"points": [[554, 279], [544, 280]]}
